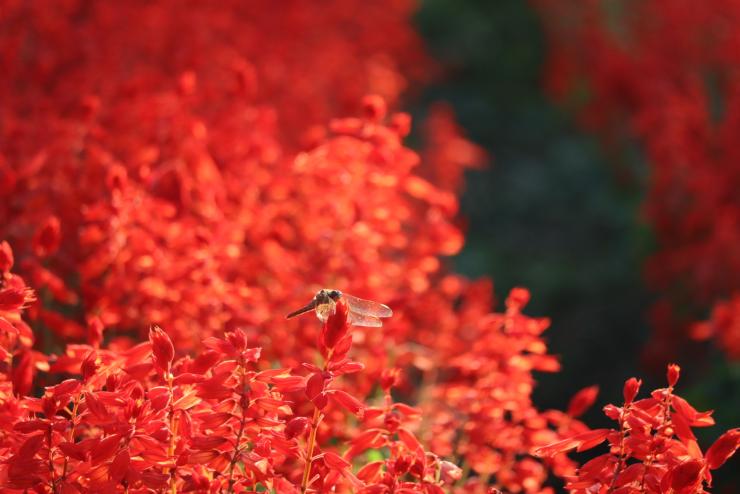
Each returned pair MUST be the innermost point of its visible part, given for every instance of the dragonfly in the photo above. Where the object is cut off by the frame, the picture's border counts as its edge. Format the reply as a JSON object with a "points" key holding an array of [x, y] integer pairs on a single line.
{"points": [[361, 312]]}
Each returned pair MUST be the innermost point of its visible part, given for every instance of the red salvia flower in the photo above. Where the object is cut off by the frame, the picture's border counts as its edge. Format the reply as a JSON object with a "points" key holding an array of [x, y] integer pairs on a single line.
{"points": [[654, 449], [158, 174]]}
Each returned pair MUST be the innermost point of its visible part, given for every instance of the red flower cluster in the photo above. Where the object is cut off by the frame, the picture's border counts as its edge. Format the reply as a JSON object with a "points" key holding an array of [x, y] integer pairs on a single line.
{"points": [[654, 449], [169, 165], [664, 72], [141, 419]]}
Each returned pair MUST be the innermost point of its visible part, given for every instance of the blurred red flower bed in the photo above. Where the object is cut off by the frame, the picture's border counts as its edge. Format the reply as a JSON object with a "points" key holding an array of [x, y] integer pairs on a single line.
{"points": [[203, 168], [663, 72]]}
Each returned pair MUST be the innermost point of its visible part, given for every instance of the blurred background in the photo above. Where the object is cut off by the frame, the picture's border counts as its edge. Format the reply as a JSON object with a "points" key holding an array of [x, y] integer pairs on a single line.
{"points": [[609, 190], [557, 211]]}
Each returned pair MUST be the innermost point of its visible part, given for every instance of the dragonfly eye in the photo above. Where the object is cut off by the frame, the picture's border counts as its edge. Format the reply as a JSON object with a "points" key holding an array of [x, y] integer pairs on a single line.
{"points": [[335, 294]]}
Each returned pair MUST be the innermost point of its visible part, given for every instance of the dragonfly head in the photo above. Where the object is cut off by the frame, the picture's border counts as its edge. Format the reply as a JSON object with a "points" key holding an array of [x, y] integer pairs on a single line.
{"points": [[326, 296]]}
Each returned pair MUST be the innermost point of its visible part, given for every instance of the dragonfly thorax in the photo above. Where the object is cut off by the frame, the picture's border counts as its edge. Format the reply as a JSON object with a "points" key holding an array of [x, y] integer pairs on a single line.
{"points": [[326, 303]]}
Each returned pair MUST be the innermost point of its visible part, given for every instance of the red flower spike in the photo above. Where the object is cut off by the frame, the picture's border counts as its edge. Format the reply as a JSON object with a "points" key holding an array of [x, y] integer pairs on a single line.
{"points": [[224, 196], [631, 388]]}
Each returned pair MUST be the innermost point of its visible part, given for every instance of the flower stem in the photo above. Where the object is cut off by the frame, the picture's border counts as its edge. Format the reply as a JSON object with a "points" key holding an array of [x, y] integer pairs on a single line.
{"points": [[237, 448], [622, 458], [311, 445], [71, 436], [667, 399], [173, 434]]}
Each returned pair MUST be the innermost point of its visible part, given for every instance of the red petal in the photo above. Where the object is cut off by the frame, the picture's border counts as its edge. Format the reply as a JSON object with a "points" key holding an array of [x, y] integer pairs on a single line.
{"points": [[105, 449], [686, 476], [314, 385], [119, 466], [631, 387], [201, 457], [409, 439], [723, 448], [29, 448], [335, 462], [592, 438], [582, 401], [347, 401]]}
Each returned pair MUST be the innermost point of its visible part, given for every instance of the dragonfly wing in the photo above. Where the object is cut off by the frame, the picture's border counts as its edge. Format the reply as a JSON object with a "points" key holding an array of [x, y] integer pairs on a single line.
{"points": [[358, 319], [367, 307]]}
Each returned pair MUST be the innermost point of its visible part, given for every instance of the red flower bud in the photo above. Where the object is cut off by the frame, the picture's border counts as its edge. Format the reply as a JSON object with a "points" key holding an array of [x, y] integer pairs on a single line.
{"points": [[89, 366], [517, 299], [47, 238], [335, 462], [6, 257], [238, 339], [187, 83], [392, 422], [336, 326], [450, 473], [22, 373], [15, 298], [315, 385], [631, 387], [117, 178], [94, 331], [373, 107], [49, 405], [162, 348], [296, 427], [401, 123], [673, 372], [112, 382], [390, 378]]}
